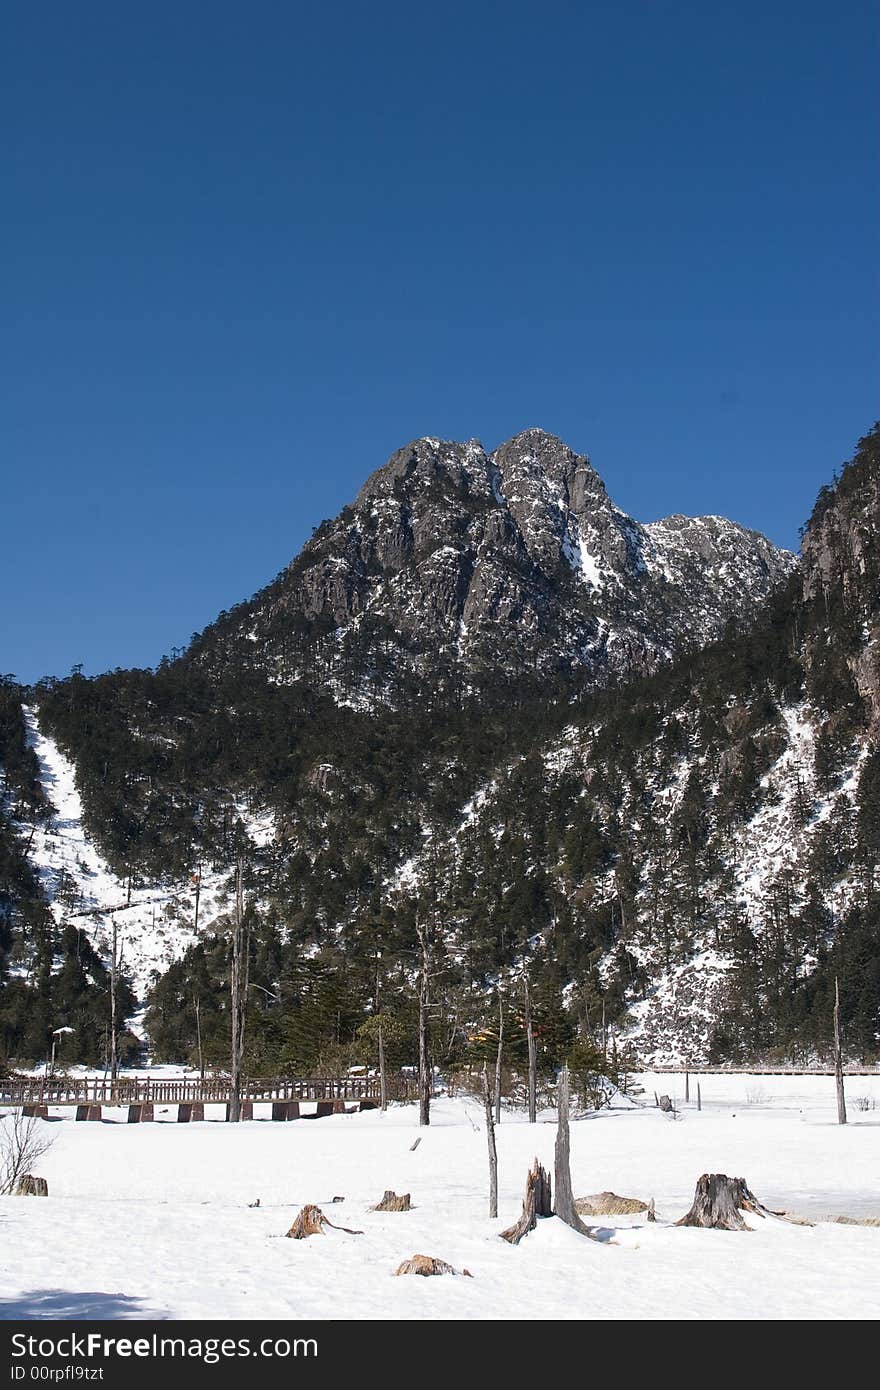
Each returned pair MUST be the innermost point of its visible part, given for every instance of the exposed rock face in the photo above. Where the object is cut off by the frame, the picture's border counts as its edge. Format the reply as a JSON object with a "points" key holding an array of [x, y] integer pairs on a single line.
{"points": [[841, 565], [516, 560]]}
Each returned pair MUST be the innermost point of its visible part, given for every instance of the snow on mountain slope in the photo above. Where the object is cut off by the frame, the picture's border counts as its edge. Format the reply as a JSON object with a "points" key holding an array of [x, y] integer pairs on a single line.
{"points": [[155, 921], [767, 858]]}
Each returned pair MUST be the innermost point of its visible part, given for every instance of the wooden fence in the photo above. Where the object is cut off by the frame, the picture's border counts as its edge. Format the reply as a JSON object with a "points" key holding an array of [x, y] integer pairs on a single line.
{"points": [[210, 1090]]}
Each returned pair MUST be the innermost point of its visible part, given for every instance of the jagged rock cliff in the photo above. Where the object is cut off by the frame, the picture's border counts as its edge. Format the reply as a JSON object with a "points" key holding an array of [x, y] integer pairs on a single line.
{"points": [[517, 561]]}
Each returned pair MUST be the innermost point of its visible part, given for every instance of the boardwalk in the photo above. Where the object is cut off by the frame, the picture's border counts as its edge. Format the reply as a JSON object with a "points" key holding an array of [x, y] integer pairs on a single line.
{"points": [[88, 1095]]}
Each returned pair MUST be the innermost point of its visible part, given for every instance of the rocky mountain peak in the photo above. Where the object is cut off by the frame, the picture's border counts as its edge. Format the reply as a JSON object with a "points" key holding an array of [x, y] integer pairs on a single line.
{"points": [[516, 561]]}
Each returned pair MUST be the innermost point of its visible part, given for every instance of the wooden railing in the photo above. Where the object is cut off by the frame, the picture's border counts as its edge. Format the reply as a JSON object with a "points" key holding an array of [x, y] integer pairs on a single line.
{"points": [[186, 1090]]}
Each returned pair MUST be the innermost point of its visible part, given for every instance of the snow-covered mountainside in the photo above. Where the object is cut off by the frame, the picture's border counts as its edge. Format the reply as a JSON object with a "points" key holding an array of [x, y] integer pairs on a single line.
{"points": [[515, 561], [156, 921], [684, 849]]}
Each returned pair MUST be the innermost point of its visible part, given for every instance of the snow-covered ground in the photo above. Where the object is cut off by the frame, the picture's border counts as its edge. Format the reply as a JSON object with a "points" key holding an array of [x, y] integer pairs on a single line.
{"points": [[154, 1221]]}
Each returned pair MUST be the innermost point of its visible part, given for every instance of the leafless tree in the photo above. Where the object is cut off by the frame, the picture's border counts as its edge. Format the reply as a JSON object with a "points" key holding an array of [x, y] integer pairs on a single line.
{"points": [[490, 1136], [424, 936], [838, 1058], [197, 1005], [115, 967], [380, 1038], [22, 1143], [533, 1055], [498, 1058], [239, 993]]}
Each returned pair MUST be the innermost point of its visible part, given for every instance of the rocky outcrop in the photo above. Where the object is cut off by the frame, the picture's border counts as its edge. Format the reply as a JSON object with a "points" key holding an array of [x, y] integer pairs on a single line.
{"points": [[515, 561], [841, 566]]}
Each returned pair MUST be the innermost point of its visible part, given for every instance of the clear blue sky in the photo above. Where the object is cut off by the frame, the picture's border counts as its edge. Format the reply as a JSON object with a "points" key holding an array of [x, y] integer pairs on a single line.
{"points": [[250, 249]]}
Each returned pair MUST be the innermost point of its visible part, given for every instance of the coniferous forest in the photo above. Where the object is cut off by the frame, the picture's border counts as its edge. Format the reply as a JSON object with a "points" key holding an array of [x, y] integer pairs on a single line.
{"points": [[603, 842]]}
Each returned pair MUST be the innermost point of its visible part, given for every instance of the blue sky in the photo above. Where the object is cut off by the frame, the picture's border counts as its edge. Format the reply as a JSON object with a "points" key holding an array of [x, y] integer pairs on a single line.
{"points": [[249, 250]]}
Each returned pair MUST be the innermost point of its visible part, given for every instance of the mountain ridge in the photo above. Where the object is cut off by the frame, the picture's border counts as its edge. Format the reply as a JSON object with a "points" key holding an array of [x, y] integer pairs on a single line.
{"points": [[690, 855], [445, 543]]}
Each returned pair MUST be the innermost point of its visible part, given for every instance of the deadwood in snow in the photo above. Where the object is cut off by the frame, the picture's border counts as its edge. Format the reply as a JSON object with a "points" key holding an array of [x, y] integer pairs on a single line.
{"points": [[391, 1202], [311, 1222], [536, 1202], [719, 1202], [30, 1186], [564, 1206]]}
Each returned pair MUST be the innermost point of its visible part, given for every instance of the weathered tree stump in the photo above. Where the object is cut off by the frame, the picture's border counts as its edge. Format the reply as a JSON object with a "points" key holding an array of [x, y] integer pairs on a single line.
{"points": [[311, 1222], [536, 1202], [29, 1186], [391, 1202], [718, 1202], [609, 1204], [428, 1264]]}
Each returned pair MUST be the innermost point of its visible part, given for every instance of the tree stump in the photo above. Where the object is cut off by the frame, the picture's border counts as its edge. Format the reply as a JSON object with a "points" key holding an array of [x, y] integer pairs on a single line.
{"points": [[536, 1202], [428, 1264], [391, 1202], [665, 1104], [718, 1202], [29, 1186], [311, 1222]]}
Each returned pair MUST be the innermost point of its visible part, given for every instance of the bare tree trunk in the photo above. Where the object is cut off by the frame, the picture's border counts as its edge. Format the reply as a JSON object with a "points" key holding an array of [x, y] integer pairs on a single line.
{"points": [[198, 1009], [490, 1137], [240, 974], [424, 1041], [380, 1040], [198, 895], [699, 1097], [498, 1059], [533, 1057], [114, 980], [838, 1058], [564, 1206], [383, 1080], [687, 1088]]}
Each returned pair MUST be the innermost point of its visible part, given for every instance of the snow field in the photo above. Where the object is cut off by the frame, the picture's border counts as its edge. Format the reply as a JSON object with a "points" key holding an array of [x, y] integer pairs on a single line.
{"points": [[153, 1221]]}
